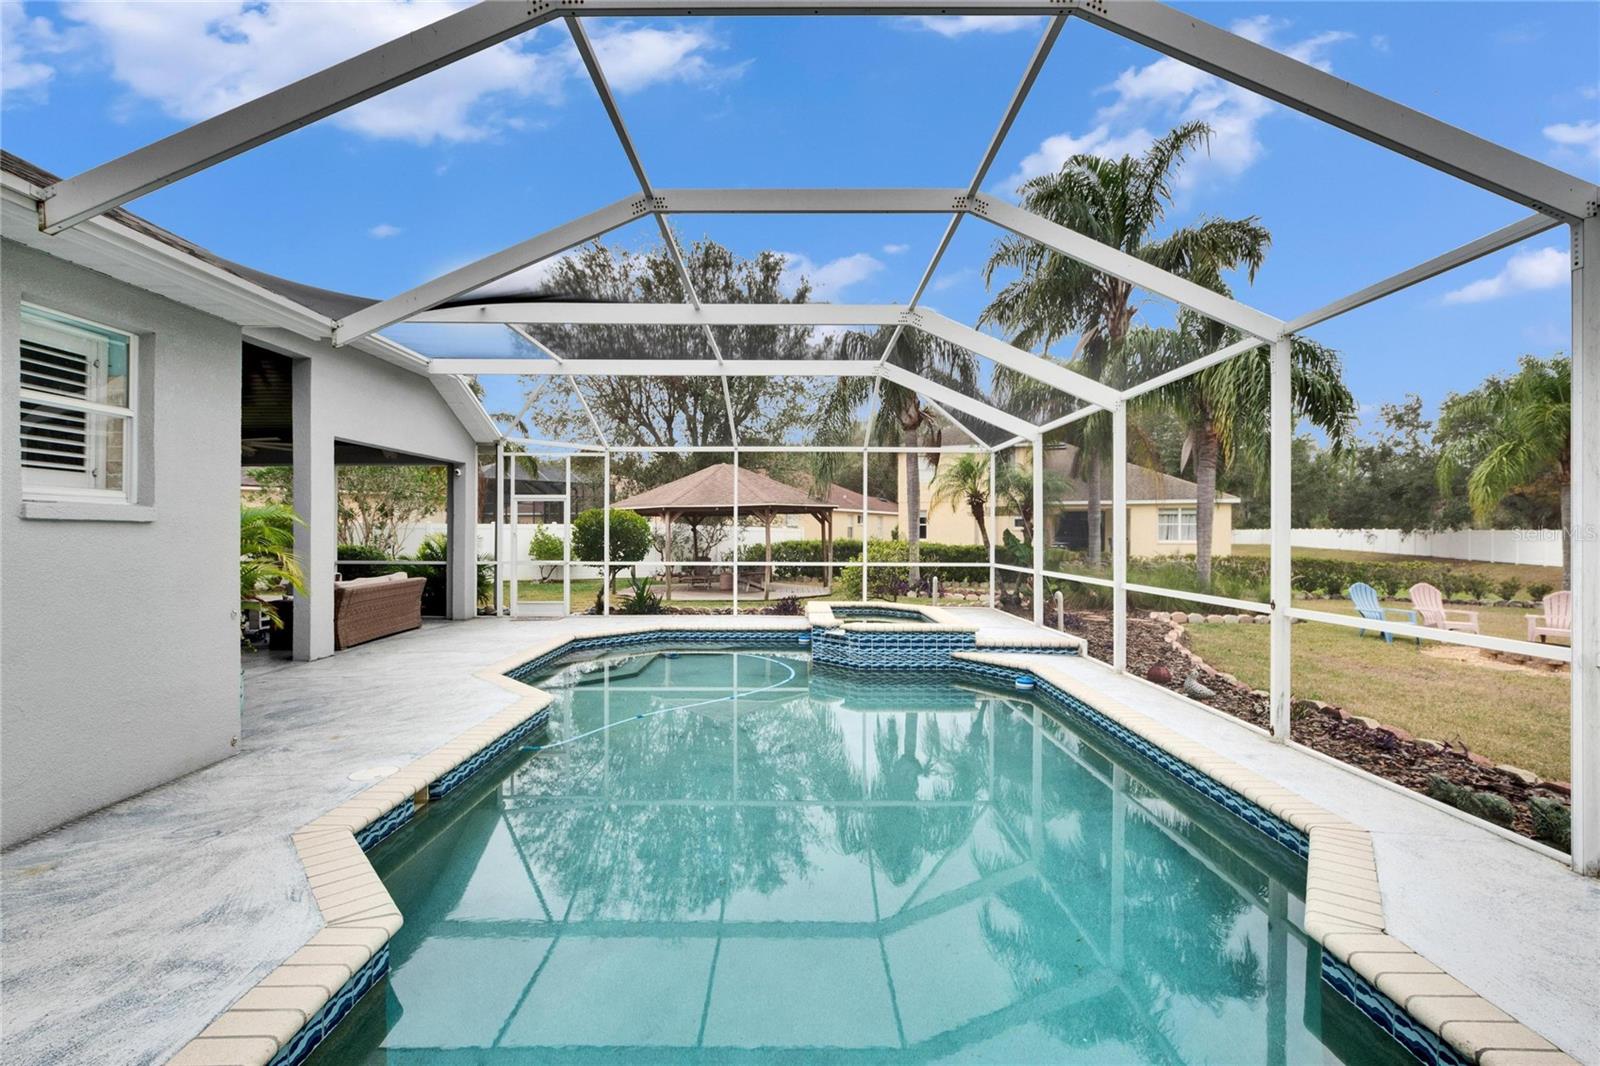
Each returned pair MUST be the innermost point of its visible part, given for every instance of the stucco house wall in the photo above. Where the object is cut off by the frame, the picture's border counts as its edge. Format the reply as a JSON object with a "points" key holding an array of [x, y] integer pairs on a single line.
{"points": [[947, 525], [118, 622], [1142, 531]]}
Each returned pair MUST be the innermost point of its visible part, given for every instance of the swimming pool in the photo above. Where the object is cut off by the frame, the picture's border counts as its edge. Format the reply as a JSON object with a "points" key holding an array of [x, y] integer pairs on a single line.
{"points": [[837, 868]]}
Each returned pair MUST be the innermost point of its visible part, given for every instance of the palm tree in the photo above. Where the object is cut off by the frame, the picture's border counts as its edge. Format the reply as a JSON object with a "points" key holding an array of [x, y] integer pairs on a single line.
{"points": [[1117, 202], [1225, 408], [1527, 436], [901, 412], [266, 556], [966, 480]]}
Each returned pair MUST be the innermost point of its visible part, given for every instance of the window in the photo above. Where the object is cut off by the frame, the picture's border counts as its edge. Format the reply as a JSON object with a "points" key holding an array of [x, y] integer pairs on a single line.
{"points": [[77, 418], [922, 526], [1019, 522], [1175, 524]]}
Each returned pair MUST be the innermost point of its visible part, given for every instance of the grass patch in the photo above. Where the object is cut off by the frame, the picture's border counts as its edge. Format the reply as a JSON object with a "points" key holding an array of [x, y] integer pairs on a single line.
{"points": [[1497, 621], [1508, 717]]}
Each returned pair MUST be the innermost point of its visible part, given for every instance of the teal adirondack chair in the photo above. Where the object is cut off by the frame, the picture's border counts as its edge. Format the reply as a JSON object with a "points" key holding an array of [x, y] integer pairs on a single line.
{"points": [[1365, 597]]}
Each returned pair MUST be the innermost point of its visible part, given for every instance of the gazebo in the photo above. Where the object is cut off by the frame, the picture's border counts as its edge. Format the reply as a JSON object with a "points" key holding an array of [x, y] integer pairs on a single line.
{"points": [[725, 491]]}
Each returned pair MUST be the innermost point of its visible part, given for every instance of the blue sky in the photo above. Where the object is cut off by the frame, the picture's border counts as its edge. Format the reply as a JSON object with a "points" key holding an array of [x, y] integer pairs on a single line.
{"points": [[480, 155]]}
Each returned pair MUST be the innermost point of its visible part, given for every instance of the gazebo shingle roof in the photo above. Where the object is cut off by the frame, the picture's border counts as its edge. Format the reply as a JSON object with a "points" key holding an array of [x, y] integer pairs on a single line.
{"points": [[711, 489]]}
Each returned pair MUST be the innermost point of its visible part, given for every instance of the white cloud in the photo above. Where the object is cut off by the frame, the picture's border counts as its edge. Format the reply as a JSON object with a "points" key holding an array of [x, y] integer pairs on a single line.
{"points": [[1535, 268], [197, 59], [28, 49], [896, 249], [828, 280], [637, 57], [961, 25], [1167, 91], [1576, 136], [383, 231], [948, 281]]}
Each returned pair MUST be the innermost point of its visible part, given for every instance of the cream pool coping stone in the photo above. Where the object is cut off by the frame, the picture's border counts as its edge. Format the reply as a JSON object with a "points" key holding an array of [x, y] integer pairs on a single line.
{"points": [[939, 620], [358, 913], [1344, 901]]}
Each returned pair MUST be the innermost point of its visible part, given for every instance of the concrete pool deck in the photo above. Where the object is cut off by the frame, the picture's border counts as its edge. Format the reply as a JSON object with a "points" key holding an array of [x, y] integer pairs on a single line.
{"points": [[128, 931]]}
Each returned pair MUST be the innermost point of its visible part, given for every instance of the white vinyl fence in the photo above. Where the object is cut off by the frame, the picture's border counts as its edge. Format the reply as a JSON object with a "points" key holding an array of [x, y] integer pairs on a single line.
{"points": [[1533, 547]]}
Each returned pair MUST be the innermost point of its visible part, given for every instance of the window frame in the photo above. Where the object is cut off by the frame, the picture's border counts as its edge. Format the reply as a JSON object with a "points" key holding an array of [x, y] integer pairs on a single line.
{"points": [[1178, 514], [128, 416]]}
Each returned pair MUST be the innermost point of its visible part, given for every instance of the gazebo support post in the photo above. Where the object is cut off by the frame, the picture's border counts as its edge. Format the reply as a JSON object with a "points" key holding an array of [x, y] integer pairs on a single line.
{"points": [[666, 554], [827, 550], [766, 577]]}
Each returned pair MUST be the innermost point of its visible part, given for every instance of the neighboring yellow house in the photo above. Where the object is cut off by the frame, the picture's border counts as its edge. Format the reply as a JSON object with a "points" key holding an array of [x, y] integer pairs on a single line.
{"points": [[1161, 513], [883, 517]]}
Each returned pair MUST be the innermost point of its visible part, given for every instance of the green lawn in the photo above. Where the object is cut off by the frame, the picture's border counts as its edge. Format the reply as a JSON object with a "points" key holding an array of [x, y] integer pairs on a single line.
{"points": [[1515, 718], [1494, 572], [1496, 621]]}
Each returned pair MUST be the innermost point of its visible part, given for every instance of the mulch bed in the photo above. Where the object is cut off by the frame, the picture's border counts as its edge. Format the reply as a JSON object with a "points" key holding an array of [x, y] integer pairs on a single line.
{"points": [[1388, 752]]}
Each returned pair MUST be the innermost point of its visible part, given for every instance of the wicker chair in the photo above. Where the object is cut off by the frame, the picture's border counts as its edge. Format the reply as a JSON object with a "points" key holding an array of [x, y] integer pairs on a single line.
{"points": [[367, 608]]}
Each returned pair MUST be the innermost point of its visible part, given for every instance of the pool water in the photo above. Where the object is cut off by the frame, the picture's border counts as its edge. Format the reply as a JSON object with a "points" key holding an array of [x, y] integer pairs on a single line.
{"points": [[837, 869]]}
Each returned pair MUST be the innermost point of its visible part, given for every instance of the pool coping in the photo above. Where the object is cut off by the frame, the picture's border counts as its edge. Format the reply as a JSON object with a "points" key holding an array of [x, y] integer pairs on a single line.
{"points": [[288, 1012], [1344, 910]]}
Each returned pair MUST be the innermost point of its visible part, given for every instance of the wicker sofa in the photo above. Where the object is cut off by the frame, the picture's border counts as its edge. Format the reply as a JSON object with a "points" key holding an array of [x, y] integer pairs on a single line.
{"points": [[366, 608]]}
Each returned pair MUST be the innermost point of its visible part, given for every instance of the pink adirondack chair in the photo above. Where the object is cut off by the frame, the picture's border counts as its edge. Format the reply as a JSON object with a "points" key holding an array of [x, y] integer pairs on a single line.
{"points": [[1429, 603], [1556, 620]]}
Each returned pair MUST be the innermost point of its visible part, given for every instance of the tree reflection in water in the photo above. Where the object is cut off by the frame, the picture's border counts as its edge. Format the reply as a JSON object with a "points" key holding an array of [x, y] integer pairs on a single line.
{"points": [[978, 877]]}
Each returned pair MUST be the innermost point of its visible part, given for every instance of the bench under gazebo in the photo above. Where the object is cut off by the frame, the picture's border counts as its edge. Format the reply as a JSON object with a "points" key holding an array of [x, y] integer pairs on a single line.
{"points": [[709, 494]]}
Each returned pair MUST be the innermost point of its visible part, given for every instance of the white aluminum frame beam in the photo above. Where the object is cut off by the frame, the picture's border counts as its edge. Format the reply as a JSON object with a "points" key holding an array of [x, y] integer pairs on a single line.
{"points": [[608, 100], [1585, 548], [1041, 52], [285, 110], [1488, 244], [809, 201], [629, 314], [1168, 30], [949, 397], [553, 312], [675, 368], [1339, 103], [1221, 355], [1018, 359], [417, 302], [488, 269]]}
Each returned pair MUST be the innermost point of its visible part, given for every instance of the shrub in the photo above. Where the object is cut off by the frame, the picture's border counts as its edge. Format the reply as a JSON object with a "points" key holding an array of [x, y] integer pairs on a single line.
{"points": [[545, 547], [1486, 805], [1475, 584], [1508, 589], [368, 553], [630, 536], [886, 582], [1539, 590], [639, 599], [1552, 822], [789, 605]]}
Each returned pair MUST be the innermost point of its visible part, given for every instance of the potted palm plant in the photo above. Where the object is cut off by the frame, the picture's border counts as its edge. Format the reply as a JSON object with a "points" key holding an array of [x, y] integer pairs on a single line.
{"points": [[267, 563]]}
